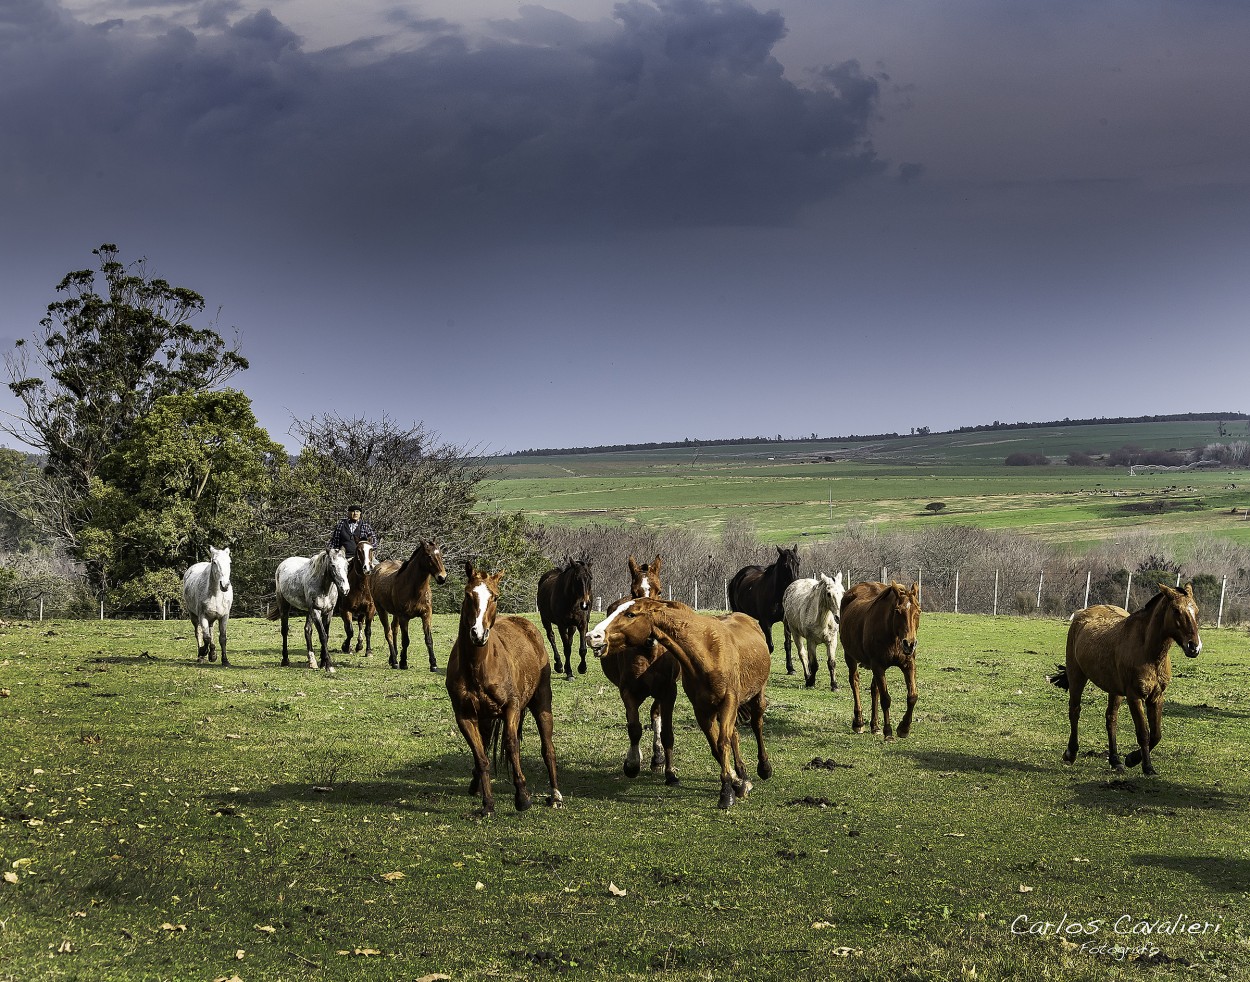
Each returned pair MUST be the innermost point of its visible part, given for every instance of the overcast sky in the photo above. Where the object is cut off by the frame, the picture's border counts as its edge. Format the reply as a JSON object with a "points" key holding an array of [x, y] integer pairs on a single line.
{"points": [[590, 222]]}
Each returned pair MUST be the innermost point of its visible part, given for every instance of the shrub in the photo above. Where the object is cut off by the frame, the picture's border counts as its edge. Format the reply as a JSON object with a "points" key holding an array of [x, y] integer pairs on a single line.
{"points": [[1021, 459]]}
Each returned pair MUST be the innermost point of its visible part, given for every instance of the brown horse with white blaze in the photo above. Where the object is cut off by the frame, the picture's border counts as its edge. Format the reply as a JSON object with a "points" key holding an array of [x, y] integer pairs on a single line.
{"points": [[724, 669], [357, 603], [878, 629], [1126, 655], [402, 591], [498, 670], [645, 672]]}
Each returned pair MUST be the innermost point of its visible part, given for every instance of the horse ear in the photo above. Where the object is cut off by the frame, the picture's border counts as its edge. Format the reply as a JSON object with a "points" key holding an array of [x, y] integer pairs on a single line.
{"points": [[1189, 590], [634, 570], [655, 565], [468, 568]]}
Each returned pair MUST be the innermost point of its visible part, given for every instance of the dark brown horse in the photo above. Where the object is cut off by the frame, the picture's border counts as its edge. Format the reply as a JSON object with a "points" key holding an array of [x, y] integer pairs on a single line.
{"points": [[879, 625], [645, 672], [497, 670], [724, 669], [402, 591], [564, 600], [357, 603], [1126, 655], [758, 591]]}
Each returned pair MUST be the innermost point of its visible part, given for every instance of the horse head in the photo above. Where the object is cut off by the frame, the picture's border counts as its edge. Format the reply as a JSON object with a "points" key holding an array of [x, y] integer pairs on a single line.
{"points": [[626, 627], [366, 556], [905, 615], [580, 582], [831, 591], [480, 605], [432, 560], [645, 579], [219, 560], [787, 565], [1182, 618], [337, 559]]}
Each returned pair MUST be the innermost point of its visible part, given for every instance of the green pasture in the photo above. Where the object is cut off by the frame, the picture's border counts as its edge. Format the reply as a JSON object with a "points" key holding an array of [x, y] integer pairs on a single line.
{"points": [[163, 820], [786, 502]]}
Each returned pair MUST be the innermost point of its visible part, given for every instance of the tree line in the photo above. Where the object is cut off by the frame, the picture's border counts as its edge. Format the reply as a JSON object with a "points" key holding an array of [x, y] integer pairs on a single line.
{"points": [[144, 456]]}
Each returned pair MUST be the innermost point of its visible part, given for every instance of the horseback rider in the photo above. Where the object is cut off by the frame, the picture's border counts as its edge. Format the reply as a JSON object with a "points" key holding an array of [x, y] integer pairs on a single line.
{"points": [[351, 530]]}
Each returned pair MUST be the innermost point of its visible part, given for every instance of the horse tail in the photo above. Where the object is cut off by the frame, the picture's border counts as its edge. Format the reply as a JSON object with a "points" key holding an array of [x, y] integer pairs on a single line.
{"points": [[1060, 678]]}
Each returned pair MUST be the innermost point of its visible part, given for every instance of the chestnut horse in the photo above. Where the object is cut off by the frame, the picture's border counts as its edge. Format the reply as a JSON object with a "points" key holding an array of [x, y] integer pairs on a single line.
{"points": [[879, 625], [1126, 655], [724, 669], [402, 591], [758, 591], [564, 600], [497, 670], [356, 603], [645, 672]]}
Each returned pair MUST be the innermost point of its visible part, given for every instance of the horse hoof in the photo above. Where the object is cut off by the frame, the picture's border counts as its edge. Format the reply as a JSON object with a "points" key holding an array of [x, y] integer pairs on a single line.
{"points": [[523, 802], [833, 686], [1069, 759], [1148, 770], [224, 662], [726, 799], [581, 669], [557, 799], [485, 812], [631, 768], [764, 770], [671, 779], [857, 727], [903, 732], [791, 671]]}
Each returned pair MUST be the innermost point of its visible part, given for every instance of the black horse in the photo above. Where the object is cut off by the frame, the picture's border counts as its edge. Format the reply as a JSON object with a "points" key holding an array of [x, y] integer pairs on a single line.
{"points": [[757, 591], [564, 600]]}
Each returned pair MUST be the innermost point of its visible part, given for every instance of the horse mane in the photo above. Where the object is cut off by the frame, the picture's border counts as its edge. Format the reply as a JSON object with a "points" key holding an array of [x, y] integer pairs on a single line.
{"points": [[319, 563]]}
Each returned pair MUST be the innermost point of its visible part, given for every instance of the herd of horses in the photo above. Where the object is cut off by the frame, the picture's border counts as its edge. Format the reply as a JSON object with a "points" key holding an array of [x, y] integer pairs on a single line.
{"points": [[498, 668]]}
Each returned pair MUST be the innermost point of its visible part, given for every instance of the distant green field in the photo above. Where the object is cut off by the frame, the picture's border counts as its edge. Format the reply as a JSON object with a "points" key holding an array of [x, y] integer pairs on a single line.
{"points": [[791, 490]]}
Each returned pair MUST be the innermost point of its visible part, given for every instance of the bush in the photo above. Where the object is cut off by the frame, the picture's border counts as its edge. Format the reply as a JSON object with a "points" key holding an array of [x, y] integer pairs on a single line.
{"points": [[1022, 459]]}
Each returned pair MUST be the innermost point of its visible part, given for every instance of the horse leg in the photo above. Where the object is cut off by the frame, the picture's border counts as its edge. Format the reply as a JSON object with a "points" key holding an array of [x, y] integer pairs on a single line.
{"points": [[743, 786], [852, 673], [284, 614], [221, 636], [657, 734], [1113, 715], [555, 651], [764, 767], [798, 641], [206, 625], [512, 750], [883, 693], [388, 632], [200, 653], [323, 634], [1076, 686], [732, 771], [368, 632], [309, 617], [472, 730], [402, 626], [831, 647], [581, 646], [1154, 713], [566, 639], [540, 707], [664, 730], [909, 677], [347, 627], [426, 619], [1144, 737], [633, 726], [767, 628]]}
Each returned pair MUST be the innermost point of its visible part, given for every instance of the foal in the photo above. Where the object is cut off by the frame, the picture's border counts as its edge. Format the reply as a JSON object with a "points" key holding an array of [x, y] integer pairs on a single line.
{"points": [[1126, 655]]}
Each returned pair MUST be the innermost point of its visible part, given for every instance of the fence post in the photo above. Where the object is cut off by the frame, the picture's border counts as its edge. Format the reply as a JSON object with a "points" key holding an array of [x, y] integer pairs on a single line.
{"points": [[41, 608], [598, 605], [101, 610], [696, 595], [1089, 575], [995, 593], [883, 579], [956, 591], [1223, 586], [1129, 590], [1040, 577], [920, 586]]}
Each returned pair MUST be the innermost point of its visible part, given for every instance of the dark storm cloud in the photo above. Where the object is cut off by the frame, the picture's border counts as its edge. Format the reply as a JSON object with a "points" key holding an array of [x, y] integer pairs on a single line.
{"points": [[675, 114]]}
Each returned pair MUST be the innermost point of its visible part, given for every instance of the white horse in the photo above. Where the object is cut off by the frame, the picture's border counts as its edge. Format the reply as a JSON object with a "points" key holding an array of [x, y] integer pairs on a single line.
{"points": [[811, 609], [207, 597], [311, 585]]}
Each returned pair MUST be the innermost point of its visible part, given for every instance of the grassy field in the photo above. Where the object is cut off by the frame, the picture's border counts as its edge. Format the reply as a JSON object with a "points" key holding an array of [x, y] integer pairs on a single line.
{"points": [[162, 820], [790, 491]]}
